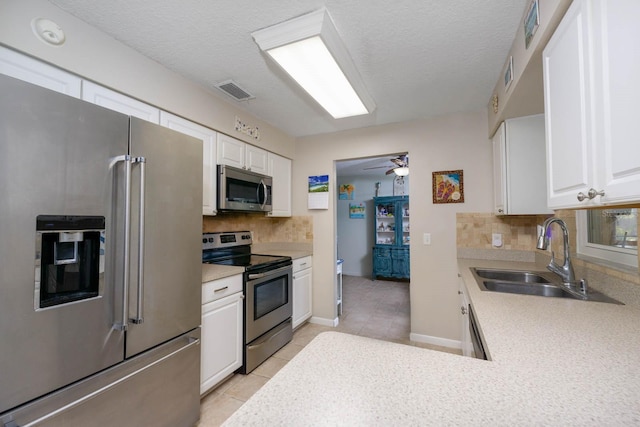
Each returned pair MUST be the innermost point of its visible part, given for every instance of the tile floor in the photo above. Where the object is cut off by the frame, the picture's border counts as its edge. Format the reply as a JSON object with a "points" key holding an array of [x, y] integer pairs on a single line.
{"points": [[375, 309]]}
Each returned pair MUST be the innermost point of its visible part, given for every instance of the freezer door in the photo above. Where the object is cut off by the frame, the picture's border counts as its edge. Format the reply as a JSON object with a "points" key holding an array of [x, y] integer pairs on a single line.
{"points": [[55, 160], [165, 289]]}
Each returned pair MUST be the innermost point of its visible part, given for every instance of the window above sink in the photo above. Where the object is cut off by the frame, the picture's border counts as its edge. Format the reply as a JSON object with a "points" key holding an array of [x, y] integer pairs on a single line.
{"points": [[609, 234]]}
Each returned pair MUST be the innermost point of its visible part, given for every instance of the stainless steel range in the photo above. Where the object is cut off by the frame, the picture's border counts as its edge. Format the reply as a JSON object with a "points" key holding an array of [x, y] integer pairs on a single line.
{"points": [[267, 289]]}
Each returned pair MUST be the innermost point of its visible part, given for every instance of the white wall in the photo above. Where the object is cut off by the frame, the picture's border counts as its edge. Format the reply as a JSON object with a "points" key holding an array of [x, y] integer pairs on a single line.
{"points": [[355, 236], [457, 141], [96, 56]]}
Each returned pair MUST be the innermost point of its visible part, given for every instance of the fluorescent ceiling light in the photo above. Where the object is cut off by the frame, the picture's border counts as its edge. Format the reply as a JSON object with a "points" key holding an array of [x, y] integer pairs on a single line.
{"points": [[309, 49]]}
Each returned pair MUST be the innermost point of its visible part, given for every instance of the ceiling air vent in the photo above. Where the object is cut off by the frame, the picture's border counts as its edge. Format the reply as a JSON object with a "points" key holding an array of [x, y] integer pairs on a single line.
{"points": [[232, 89]]}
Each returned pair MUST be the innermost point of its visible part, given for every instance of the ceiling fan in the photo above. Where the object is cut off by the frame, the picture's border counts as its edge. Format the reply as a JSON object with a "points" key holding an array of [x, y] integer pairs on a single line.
{"points": [[401, 165]]}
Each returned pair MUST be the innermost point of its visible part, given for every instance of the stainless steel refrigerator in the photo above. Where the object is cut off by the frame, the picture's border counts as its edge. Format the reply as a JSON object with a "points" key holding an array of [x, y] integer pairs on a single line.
{"points": [[100, 265]]}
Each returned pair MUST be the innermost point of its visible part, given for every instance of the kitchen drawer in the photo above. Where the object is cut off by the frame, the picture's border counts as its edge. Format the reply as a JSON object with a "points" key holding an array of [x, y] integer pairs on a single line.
{"points": [[217, 289], [302, 263]]}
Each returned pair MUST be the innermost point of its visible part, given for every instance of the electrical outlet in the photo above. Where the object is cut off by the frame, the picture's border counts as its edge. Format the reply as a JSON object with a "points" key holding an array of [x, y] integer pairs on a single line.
{"points": [[426, 238], [496, 240]]}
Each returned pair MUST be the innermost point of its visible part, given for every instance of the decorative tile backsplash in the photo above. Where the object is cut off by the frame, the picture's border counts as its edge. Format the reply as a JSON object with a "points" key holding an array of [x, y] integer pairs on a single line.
{"points": [[474, 230], [298, 229]]}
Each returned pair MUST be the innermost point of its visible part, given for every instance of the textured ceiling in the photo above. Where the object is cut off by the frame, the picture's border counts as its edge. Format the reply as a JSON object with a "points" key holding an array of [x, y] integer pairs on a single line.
{"points": [[418, 58]]}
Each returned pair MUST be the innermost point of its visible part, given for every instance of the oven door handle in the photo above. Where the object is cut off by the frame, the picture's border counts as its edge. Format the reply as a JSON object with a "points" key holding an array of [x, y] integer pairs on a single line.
{"points": [[269, 273]]}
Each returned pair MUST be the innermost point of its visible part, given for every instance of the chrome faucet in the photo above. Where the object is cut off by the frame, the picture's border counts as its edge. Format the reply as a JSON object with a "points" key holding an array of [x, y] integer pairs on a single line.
{"points": [[565, 271]]}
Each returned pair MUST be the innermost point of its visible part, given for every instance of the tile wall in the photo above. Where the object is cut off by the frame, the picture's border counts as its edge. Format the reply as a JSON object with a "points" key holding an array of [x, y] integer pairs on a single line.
{"points": [[298, 229], [474, 230]]}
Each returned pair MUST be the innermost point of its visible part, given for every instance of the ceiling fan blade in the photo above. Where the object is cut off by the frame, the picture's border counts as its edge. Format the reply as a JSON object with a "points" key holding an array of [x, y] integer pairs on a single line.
{"points": [[389, 172], [374, 167]]}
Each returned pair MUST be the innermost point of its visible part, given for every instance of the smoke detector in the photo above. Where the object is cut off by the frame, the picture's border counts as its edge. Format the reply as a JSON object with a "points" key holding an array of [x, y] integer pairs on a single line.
{"points": [[234, 90]]}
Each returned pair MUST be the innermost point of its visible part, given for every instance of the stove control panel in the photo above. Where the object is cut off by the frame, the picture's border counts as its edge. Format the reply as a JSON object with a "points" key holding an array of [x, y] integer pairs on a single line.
{"points": [[226, 239]]}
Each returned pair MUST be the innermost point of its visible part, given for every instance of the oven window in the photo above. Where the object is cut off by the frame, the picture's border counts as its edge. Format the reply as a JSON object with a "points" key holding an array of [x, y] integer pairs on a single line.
{"points": [[269, 296]]}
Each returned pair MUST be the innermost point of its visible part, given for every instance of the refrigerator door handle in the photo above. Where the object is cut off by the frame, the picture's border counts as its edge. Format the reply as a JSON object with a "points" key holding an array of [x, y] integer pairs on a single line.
{"points": [[121, 323], [140, 292]]}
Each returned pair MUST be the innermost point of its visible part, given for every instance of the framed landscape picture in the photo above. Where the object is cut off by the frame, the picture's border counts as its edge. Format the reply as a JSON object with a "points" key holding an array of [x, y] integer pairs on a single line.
{"points": [[448, 187], [531, 23]]}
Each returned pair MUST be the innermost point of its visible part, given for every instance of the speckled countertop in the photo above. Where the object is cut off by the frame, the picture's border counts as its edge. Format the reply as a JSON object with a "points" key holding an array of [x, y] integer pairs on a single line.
{"points": [[294, 250], [554, 362]]}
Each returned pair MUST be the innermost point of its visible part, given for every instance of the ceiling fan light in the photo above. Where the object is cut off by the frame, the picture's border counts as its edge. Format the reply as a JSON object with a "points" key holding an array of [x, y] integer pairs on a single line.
{"points": [[309, 49], [403, 171]]}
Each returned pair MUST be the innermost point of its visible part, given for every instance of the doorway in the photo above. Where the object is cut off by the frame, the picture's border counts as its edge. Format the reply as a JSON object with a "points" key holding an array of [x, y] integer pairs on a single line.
{"points": [[372, 308]]}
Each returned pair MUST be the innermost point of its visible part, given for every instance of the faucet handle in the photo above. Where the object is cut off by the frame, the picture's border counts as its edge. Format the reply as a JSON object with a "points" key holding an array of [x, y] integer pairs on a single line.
{"points": [[582, 285]]}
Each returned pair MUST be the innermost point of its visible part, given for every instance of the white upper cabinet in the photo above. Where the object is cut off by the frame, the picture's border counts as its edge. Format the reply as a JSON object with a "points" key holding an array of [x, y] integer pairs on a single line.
{"points": [[116, 101], [31, 70], [279, 168], [499, 171], [590, 69], [209, 173], [256, 159], [233, 152], [617, 84], [519, 167]]}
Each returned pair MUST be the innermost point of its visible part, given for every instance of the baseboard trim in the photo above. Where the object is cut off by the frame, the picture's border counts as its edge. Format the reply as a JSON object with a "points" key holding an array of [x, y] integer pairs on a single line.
{"points": [[324, 321], [428, 339]]}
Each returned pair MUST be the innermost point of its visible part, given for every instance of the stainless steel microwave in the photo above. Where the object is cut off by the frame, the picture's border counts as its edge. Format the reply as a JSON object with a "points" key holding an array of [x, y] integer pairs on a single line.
{"points": [[243, 191]]}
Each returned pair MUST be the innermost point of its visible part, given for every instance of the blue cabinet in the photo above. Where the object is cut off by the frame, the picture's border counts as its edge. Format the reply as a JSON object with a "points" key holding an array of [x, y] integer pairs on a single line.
{"points": [[392, 237]]}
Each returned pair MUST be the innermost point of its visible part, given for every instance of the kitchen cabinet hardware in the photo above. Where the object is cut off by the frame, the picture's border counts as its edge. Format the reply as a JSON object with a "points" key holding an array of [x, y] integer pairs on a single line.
{"points": [[463, 310], [221, 289]]}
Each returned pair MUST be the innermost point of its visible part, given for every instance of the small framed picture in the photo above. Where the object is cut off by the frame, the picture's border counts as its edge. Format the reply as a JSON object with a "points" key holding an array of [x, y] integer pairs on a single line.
{"points": [[531, 23], [448, 187], [508, 73], [398, 186]]}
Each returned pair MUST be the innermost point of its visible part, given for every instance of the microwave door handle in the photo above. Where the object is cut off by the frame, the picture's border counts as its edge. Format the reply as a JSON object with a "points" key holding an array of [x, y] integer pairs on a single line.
{"points": [[121, 323], [140, 291], [264, 192]]}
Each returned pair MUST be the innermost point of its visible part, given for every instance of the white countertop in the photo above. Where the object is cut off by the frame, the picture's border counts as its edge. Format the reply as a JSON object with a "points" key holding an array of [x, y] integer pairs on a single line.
{"points": [[554, 362]]}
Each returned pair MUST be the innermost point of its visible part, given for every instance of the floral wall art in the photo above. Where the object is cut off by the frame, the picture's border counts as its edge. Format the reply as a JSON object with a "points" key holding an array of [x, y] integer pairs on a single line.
{"points": [[448, 187]]}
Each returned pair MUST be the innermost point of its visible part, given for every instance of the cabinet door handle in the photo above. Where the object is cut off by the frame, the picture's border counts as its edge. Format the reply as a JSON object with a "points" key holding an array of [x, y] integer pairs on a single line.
{"points": [[221, 289], [593, 193]]}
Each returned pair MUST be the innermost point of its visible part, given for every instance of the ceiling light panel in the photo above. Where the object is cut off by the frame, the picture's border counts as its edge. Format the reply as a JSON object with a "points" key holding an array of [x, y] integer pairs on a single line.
{"points": [[309, 50]]}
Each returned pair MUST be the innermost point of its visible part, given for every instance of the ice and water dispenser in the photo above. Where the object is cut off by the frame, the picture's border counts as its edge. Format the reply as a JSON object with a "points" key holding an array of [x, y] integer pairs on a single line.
{"points": [[69, 258]]}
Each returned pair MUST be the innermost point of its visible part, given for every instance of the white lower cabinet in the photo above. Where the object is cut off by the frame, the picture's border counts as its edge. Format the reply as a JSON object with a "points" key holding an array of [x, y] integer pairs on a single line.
{"points": [[222, 326], [302, 290]]}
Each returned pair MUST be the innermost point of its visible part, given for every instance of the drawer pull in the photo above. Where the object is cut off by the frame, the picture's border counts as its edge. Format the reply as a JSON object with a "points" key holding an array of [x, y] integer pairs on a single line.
{"points": [[221, 289]]}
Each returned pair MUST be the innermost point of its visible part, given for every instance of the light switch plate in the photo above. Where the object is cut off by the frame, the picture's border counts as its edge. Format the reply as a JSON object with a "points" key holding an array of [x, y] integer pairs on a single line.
{"points": [[426, 238]]}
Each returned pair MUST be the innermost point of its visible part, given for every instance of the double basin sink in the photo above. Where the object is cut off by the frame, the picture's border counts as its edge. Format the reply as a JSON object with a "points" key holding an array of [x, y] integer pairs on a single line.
{"points": [[539, 283]]}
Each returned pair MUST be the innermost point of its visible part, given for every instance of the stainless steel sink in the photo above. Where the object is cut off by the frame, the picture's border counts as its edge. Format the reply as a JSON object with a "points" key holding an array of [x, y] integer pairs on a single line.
{"points": [[539, 283], [540, 289], [513, 275]]}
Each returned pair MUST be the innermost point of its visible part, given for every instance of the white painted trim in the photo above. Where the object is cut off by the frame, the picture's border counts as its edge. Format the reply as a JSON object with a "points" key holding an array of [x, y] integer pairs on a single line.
{"points": [[324, 322], [442, 342]]}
